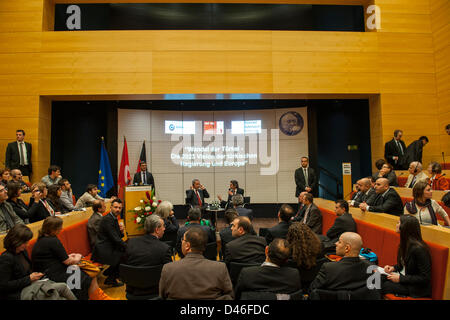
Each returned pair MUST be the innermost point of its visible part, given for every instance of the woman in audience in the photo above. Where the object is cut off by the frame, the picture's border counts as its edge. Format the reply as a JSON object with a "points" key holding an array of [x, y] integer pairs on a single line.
{"points": [[4, 177], [423, 207], [165, 211], [15, 265], [307, 252], [411, 276], [20, 208], [50, 258], [437, 180], [54, 193], [39, 206]]}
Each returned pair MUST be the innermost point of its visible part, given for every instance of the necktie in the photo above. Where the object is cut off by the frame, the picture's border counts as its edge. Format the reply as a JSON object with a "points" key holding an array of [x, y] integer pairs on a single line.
{"points": [[412, 182], [144, 176], [306, 214], [399, 146], [22, 162], [305, 173], [198, 198]]}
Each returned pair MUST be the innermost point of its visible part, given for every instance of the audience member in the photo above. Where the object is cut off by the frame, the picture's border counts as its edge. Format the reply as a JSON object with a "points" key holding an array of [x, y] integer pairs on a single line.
{"points": [[53, 177], [194, 276], [193, 220], [423, 207], [53, 197], [16, 176], [367, 193], [109, 247], [15, 264], [446, 199], [5, 177], [305, 178], [301, 207], [165, 211], [88, 198], [411, 276], [93, 224], [238, 204], [437, 180], [232, 191], [271, 276], [66, 197], [343, 223], [18, 154], [281, 229], [312, 216], [148, 250], [50, 257], [247, 247], [349, 273], [395, 150], [387, 201], [226, 233], [19, 207], [388, 173], [307, 252], [39, 207], [143, 177], [415, 174], [414, 150], [8, 218]]}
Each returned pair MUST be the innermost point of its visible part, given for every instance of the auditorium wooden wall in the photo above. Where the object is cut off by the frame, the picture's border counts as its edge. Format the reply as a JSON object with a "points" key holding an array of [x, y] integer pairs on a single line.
{"points": [[403, 68]]}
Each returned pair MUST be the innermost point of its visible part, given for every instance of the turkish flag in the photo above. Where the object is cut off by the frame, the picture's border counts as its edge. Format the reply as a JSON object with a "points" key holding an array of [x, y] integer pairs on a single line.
{"points": [[124, 172]]}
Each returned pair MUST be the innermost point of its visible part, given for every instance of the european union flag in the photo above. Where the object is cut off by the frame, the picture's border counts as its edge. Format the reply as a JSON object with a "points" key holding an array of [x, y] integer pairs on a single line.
{"points": [[105, 179]]}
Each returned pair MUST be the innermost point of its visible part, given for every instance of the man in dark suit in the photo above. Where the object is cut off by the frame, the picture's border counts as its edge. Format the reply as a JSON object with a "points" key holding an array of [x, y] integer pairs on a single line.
{"points": [[281, 229], [193, 220], [194, 276], [414, 150], [366, 193], [18, 154], [226, 234], [238, 203], [312, 216], [343, 223], [271, 276], [195, 196], [93, 225], [301, 207], [350, 273], [305, 179], [144, 178], [395, 151], [148, 250], [387, 200], [110, 247], [232, 191], [247, 247]]}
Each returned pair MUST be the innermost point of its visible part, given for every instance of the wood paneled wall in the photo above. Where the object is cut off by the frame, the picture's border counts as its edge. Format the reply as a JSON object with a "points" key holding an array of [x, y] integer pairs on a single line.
{"points": [[403, 68]]}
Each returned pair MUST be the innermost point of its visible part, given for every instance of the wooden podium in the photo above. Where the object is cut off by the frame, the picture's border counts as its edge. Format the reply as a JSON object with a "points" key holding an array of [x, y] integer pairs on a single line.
{"points": [[133, 196]]}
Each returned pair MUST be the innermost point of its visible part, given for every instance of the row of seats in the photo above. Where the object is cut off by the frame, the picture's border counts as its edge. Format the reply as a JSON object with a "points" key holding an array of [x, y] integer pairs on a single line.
{"points": [[384, 242]]}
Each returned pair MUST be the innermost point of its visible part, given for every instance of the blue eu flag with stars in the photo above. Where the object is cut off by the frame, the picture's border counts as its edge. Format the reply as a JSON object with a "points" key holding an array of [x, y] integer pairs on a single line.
{"points": [[105, 179]]}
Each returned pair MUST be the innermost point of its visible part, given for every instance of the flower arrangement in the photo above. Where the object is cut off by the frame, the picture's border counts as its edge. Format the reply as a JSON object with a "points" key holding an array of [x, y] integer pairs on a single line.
{"points": [[145, 208]]}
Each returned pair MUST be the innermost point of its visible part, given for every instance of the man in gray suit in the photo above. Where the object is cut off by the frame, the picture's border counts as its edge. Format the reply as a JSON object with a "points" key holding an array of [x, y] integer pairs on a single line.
{"points": [[93, 224], [194, 276]]}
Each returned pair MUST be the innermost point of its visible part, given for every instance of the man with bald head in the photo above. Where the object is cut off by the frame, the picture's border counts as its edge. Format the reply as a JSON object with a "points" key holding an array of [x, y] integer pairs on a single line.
{"points": [[415, 174], [387, 200], [350, 273], [367, 193]]}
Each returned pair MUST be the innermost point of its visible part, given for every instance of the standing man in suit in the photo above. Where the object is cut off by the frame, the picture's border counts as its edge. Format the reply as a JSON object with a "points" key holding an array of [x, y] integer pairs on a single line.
{"points": [[247, 247], [281, 229], [414, 150], [143, 178], [93, 225], [395, 151], [415, 174], [387, 200], [18, 154], [312, 216], [196, 194], [350, 273], [271, 276], [194, 276], [232, 191], [109, 247], [305, 178]]}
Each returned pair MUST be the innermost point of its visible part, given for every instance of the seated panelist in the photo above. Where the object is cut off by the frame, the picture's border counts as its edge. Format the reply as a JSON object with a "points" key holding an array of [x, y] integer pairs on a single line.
{"points": [[196, 194], [232, 191]]}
